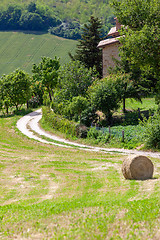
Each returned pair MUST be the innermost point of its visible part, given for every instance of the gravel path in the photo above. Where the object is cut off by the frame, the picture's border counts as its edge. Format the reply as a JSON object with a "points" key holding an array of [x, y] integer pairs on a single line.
{"points": [[29, 126]]}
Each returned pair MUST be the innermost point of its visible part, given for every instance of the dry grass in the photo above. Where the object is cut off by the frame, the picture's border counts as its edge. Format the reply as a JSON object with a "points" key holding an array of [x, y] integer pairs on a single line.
{"points": [[49, 192]]}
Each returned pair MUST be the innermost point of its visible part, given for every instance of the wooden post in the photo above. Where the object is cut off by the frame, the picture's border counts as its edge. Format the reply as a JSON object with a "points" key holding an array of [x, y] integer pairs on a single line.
{"points": [[109, 131], [122, 135]]}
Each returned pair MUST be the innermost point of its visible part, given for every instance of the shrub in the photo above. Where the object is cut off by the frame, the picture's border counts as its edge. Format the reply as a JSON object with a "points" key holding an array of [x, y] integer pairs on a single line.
{"points": [[58, 122], [88, 116], [34, 102], [81, 131], [99, 135], [152, 131], [104, 96]]}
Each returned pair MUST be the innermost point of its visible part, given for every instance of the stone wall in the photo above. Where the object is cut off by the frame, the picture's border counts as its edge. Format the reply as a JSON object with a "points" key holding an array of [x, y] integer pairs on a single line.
{"points": [[109, 52]]}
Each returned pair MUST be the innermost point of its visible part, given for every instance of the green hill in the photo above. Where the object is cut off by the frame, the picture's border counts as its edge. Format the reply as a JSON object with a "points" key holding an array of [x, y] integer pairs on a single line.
{"points": [[60, 17], [21, 50], [79, 10]]}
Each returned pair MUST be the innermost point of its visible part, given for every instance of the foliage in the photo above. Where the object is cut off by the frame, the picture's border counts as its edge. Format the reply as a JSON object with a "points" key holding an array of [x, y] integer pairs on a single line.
{"points": [[140, 46], [70, 30], [37, 93], [157, 98], [74, 80], [57, 16], [31, 21], [104, 96], [15, 89], [152, 131], [133, 136], [78, 105], [87, 52], [33, 102], [9, 18], [126, 88], [31, 17], [47, 73], [58, 122], [88, 116], [98, 135]]}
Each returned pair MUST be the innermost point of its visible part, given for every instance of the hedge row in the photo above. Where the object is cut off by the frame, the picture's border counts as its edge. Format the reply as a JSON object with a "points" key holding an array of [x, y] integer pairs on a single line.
{"points": [[58, 122]]}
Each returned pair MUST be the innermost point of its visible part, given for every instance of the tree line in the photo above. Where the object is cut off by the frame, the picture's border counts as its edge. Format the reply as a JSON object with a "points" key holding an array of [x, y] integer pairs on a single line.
{"points": [[35, 16], [31, 17]]}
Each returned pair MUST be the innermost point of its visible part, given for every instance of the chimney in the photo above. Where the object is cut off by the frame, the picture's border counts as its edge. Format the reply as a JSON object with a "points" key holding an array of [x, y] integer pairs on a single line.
{"points": [[118, 25]]}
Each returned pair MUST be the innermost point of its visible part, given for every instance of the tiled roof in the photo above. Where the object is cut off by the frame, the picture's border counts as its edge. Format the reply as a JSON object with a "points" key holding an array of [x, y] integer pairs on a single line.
{"points": [[107, 42]]}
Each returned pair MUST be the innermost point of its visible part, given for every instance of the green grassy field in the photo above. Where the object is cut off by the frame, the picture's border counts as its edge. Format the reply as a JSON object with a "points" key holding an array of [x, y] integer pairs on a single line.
{"points": [[146, 104], [22, 50], [49, 192]]}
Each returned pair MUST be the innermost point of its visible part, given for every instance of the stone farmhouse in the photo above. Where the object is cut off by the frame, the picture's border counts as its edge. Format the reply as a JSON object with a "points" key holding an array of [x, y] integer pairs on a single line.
{"points": [[110, 47]]}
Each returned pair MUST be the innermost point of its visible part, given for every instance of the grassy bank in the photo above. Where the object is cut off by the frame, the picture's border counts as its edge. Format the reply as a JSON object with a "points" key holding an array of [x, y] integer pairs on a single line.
{"points": [[48, 192]]}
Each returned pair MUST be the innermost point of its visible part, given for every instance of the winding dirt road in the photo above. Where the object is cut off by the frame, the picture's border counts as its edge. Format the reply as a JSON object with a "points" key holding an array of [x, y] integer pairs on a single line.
{"points": [[29, 126]]}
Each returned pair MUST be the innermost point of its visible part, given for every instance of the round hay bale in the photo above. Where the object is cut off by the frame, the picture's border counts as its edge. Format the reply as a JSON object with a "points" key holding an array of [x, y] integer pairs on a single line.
{"points": [[137, 167]]}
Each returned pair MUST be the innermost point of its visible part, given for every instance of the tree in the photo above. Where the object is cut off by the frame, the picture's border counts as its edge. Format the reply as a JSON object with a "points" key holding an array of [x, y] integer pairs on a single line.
{"points": [[15, 89], [104, 96], [31, 21], [5, 85], [32, 7], [9, 18], [87, 51], [141, 44], [74, 80], [46, 72], [126, 88], [78, 105]]}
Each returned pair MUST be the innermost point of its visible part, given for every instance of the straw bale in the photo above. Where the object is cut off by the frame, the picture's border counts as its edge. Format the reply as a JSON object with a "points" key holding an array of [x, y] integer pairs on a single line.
{"points": [[137, 167]]}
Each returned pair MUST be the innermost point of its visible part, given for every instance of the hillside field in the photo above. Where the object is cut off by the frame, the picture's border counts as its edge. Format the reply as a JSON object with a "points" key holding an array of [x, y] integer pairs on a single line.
{"points": [[22, 50]]}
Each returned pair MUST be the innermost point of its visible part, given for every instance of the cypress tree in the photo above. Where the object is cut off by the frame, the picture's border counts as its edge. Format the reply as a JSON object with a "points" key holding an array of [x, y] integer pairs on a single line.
{"points": [[87, 51]]}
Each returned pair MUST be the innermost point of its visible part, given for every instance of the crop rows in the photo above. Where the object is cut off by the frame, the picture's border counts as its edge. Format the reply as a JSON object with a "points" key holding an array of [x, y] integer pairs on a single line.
{"points": [[21, 50]]}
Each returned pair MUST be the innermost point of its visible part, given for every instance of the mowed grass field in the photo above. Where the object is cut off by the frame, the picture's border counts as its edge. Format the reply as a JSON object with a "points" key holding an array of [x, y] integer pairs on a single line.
{"points": [[22, 50], [50, 192]]}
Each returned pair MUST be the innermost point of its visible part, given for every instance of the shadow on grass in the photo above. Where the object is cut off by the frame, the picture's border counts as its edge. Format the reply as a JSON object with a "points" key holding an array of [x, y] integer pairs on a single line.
{"points": [[131, 117], [34, 32], [21, 112]]}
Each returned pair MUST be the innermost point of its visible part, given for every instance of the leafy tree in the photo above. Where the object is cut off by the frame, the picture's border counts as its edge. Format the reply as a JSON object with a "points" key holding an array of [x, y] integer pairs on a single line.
{"points": [[87, 51], [15, 89], [46, 72], [9, 18], [104, 96], [31, 7], [78, 105], [5, 85], [31, 21], [140, 46], [74, 80], [126, 88], [48, 15], [37, 89]]}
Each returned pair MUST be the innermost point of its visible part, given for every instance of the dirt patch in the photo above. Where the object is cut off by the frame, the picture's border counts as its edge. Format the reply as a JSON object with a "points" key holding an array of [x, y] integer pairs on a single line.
{"points": [[105, 166], [23, 187]]}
